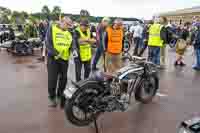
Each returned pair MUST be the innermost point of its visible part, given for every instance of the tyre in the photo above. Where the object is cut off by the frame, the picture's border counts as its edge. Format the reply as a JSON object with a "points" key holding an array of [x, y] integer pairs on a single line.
{"points": [[82, 100], [146, 89]]}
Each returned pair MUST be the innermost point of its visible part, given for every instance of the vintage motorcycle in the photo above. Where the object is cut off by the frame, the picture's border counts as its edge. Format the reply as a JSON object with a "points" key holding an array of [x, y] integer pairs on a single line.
{"points": [[103, 92]]}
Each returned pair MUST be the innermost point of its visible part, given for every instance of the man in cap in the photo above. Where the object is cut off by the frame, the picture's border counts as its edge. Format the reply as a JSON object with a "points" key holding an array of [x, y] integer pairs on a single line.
{"points": [[58, 43], [100, 41], [84, 40], [114, 46]]}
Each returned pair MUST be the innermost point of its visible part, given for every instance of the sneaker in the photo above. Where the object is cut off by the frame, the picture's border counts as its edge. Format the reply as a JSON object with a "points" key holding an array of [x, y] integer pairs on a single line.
{"points": [[196, 67], [52, 103]]}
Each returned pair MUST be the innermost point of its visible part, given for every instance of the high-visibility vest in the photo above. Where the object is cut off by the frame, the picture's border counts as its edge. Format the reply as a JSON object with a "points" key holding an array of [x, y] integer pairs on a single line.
{"points": [[62, 41], [85, 49], [154, 35], [115, 39]]}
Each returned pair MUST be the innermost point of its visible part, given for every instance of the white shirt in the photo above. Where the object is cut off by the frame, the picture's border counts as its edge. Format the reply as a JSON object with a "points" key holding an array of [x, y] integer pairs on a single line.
{"points": [[137, 30]]}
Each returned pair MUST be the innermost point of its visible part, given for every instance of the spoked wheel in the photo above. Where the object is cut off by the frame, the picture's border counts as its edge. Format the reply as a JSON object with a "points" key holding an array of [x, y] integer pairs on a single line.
{"points": [[147, 88], [80, 108]]}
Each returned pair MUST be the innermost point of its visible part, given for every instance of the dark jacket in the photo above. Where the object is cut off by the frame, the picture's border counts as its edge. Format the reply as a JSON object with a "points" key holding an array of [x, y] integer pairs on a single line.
{"points": [[194, 39], [49, 42]]}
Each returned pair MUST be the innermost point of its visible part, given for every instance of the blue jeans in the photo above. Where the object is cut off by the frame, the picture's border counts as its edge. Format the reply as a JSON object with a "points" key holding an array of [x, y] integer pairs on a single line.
{"points": [[97, 56], [154, 55], [138, 43], [197, 52]]}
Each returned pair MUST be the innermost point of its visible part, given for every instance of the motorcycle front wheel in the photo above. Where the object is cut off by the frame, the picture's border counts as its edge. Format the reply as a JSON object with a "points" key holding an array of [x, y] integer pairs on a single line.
{"points": [[147, 88], [79, 109]]}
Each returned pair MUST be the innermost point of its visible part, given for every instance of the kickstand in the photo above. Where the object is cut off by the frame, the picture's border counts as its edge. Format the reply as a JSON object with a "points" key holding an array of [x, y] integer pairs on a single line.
{"points": [[96, 126]]}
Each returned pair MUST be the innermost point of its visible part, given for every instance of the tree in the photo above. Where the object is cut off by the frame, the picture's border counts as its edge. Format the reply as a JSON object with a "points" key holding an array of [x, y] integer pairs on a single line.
{"points": [[4, 19], [4, 15], [25, 14], [46, 12], [18, 17], [56, 12]]}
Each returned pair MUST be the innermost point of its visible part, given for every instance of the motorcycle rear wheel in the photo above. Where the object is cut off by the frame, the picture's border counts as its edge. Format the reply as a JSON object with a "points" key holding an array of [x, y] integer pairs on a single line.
{"points": [[82, 99], [148, 86]]}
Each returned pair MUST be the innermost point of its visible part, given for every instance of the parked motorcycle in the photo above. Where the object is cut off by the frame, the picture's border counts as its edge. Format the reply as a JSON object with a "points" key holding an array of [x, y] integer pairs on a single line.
{"points": [[104, 92], [21, 47]]}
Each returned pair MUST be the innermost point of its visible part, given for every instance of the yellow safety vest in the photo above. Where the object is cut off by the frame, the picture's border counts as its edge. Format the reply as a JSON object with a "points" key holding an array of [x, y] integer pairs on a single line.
{"points": [[85, 49], [62, 41], [154, 35]]}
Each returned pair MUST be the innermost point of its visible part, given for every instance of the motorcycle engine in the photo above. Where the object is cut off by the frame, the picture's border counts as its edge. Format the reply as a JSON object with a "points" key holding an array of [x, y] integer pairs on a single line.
{"points": [[117, 88]]}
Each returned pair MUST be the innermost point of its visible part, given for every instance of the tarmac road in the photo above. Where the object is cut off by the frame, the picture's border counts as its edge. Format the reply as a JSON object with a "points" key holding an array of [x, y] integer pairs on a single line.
{"points": [[24, 103]]}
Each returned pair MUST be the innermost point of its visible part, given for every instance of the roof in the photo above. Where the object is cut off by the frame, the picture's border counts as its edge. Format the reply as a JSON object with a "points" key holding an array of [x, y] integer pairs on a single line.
{"points": [[182, 11]]}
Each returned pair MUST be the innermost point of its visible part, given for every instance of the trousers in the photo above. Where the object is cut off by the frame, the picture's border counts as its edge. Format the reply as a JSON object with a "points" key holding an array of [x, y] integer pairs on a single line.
{"points": [[154, 55], [86, 65], [138, 42], [57, 75], [97, 56]]}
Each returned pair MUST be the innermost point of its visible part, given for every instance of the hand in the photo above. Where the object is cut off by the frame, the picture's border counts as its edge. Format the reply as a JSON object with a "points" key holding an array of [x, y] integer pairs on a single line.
{"points": [[58, 56]]}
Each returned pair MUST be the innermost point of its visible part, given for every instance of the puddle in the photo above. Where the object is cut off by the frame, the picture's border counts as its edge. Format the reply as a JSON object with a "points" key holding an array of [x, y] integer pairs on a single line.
{"points": [[21, 61], [32, 66]]}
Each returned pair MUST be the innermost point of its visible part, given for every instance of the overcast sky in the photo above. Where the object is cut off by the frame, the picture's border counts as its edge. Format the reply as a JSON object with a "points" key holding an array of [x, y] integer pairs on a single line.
{"points": [[123, 8]]}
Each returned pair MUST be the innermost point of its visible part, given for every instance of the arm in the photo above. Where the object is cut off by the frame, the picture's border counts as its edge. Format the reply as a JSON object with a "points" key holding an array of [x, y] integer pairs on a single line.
{"points": [[49, 43], [105, 41], [163, 35]]}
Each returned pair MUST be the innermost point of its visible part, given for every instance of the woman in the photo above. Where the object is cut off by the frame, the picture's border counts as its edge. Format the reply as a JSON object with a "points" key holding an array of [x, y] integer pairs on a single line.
{"points": [[181, 45]]}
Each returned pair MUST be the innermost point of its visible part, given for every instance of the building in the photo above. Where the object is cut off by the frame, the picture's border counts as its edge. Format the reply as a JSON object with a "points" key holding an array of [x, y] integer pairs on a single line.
{"points": [[183, 15]]}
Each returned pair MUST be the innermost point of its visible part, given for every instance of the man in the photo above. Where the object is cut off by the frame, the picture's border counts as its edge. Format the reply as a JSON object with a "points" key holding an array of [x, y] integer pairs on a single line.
{"points": [[137, 31], [84, 40], [145, 37], [164, 22], [58, 43], [114, 46], [100, 41], [157, 36], [43, 26], [196, 43]]}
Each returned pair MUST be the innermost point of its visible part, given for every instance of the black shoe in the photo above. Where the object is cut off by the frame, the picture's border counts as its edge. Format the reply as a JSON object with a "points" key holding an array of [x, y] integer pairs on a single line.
{"points": [[176, 63], [182, 64], [62, 102], [52, 103]]}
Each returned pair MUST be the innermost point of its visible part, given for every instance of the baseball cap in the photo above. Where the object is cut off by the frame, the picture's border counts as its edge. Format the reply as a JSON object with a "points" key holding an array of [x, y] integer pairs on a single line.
{"points": [[106, 19]]}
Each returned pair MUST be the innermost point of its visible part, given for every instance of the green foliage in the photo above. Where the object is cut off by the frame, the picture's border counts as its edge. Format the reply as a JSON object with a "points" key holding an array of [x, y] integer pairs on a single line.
{"points": [[46, 13], [20, 17], [56, 12]]}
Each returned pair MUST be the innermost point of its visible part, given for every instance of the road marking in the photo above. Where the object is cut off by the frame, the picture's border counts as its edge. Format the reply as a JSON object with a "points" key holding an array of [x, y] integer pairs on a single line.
{"points": [[161, 95]]}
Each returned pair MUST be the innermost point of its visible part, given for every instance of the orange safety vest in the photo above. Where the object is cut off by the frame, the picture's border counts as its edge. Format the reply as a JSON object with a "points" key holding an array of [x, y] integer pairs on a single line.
{"points": [[115, 39]]}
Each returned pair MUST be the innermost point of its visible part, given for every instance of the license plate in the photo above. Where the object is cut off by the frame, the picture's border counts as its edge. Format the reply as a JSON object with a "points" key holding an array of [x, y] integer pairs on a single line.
{"points": [[69, 92]]}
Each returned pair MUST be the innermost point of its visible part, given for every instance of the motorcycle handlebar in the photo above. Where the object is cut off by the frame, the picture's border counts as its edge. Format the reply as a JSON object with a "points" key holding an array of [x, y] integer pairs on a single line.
{"points": [[134, 58]]}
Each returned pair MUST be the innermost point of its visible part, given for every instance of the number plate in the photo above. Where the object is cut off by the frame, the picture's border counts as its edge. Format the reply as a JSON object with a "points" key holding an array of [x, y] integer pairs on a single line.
{"points": [[69, 92]]}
